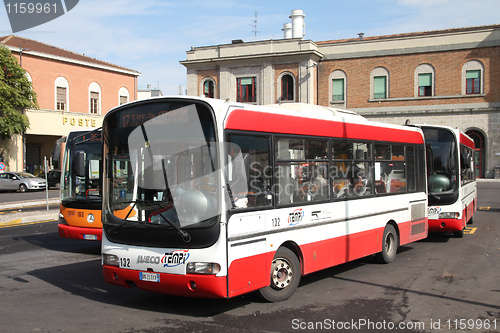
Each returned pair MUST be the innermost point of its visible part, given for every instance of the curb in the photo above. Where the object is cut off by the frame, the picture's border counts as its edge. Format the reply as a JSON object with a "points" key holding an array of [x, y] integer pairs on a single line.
{"points": [[36, 216], [30, 203], [23, 218]]}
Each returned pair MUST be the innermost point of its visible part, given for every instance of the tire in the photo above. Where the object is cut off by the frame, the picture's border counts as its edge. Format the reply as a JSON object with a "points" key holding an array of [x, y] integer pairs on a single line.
{"points": [[459, 234], [284, 276], [23, 188], [390, 244]]}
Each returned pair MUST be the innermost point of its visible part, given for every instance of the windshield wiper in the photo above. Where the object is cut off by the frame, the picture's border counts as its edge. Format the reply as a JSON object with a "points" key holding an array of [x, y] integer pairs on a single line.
{"points": [[184, 235]]}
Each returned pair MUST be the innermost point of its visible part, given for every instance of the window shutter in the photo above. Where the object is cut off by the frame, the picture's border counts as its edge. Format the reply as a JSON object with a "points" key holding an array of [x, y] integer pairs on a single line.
{"points": [[425, 80], [475, 74], [379, 87]]}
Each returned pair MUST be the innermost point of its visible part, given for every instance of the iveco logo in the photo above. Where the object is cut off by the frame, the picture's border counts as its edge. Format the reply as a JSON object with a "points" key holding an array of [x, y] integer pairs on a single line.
{"points": [[90, 218]]}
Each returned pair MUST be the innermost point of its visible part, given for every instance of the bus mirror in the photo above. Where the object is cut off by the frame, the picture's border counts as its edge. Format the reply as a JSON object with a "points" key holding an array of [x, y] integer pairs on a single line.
{"points": [[79, 163]]}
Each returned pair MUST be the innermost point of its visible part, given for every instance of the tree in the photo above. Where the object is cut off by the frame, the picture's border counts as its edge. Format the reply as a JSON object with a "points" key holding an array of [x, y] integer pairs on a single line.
{"points": [[16, 94]]}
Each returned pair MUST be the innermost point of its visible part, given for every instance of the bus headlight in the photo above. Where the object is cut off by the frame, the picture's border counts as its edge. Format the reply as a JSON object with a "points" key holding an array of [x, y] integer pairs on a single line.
{"points": [[202, 268], [449, 215], [110, 259], [62, 220]]}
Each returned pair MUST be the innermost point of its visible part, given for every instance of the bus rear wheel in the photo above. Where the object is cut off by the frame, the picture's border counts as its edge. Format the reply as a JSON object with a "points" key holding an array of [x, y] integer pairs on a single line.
{"points": [[390, 243], [285, 276]]}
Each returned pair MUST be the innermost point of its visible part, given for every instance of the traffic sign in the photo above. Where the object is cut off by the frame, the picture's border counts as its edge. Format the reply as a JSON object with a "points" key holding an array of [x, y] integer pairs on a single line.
{"points": [[2, 166]]}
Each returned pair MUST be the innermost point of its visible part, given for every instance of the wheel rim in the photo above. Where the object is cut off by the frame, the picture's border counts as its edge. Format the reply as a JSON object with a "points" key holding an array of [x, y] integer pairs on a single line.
{"points": [[282, 274]]}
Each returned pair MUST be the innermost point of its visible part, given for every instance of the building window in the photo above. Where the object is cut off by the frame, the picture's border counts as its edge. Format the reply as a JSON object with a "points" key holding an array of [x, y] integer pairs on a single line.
{"points": [[287, 88], [61, 99], [61, 94], [424, 80], [472, 78], [95, 98], [424, 84], [380, 87], [208, 88], [246, 91], [379, 83], [338, 90], [94, 102], [473, 82], [123, 96]]}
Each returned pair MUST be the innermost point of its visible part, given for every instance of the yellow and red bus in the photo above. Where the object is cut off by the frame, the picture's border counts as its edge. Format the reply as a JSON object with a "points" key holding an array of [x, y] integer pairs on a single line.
{"points": [[451, 178], [212, 198], [81, 200]]}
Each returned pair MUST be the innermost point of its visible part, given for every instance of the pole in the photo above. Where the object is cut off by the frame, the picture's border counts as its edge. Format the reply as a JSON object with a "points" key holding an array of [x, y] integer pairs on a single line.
{"points": [[46, 180]]}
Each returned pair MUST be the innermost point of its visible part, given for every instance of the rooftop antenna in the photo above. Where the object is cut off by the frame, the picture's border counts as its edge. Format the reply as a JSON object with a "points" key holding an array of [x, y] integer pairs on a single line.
{"points": [[254, 25]]}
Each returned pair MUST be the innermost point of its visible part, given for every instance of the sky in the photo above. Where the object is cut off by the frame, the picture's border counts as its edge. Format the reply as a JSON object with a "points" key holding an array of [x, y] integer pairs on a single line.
{"points": [[152, 36]]}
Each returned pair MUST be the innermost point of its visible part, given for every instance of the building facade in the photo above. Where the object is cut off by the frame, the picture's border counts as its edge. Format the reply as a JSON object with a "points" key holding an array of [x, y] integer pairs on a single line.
{"points": [[74, 92], [447, 77]]}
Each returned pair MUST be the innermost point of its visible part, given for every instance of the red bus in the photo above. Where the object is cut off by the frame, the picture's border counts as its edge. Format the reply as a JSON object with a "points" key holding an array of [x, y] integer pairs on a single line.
{"points": [[451, 178], [210, 198]]}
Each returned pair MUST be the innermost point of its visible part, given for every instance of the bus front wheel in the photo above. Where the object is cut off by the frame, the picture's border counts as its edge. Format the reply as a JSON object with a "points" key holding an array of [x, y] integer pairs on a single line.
{"points": [[390, 243], [285, 276]]}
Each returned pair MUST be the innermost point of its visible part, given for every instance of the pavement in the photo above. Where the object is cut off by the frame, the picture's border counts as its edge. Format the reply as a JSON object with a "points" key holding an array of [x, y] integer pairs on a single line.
{"points": [[35, 211], [28, 212]]}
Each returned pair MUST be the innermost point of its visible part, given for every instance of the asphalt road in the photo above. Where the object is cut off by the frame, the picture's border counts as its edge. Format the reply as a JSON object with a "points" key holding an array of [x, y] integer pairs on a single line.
{"points": [[441, 284], [27, 196]]}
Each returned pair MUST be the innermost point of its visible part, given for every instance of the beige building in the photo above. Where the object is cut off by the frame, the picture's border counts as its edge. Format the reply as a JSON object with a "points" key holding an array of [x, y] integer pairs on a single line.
{"points": [[74, 92], [447, 77]]}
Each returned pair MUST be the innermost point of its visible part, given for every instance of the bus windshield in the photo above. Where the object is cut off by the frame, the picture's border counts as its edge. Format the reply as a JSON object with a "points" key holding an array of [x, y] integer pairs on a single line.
{"points": [[442, 168], [82, 189], [160, 175]]}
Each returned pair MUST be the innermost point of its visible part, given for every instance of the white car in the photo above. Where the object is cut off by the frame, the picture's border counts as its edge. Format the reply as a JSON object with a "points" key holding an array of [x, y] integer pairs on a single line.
{"points": [[22, 181]]}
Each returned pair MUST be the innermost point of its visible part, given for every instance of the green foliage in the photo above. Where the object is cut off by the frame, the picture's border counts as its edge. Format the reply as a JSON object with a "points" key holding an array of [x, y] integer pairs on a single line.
{"points": [[16, 94]]}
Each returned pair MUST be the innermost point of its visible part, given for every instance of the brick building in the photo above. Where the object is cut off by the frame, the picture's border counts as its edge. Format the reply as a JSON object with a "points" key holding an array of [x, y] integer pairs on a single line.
{"points": [[73, 92], [448, 77]]}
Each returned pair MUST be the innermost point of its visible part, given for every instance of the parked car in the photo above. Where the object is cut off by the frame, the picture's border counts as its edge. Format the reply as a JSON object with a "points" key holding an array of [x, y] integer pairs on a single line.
{"points": [[54, 179], [22, 181]]}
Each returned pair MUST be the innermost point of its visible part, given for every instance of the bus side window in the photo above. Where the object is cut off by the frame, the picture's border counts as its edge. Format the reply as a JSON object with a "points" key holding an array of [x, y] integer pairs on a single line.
{"points": [[255, 157]]}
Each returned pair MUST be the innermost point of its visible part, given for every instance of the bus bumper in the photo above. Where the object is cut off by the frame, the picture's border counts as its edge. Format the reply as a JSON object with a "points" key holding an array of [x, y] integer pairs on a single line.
{"points": [[445, 225], [66, 231], [190, 285]]}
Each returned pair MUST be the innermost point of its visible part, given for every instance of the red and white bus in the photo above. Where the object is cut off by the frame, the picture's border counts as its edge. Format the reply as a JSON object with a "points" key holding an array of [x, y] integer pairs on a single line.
{"points": [[80, 208], [210, 198], [451, 179]]}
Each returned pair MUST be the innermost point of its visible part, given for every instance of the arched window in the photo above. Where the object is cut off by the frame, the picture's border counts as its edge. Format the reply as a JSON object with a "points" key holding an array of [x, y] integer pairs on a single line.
{"points": [[61, 94], [379, 83], [123, 96], [208, 87], [94, 98], [424, 80], [287, 88], [338, 84], [472, 78]]}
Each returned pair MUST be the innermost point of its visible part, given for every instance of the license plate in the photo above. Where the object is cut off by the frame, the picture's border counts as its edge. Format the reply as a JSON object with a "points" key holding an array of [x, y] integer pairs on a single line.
{"points": [[90, 237], [151, 277]]}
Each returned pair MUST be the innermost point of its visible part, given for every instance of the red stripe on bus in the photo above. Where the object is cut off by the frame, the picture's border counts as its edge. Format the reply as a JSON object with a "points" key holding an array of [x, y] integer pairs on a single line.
{"points": [[248, 120], [191, 285]]}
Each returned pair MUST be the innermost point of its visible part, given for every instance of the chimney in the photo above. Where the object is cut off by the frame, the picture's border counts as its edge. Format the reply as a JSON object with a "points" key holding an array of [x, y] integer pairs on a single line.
{"points": [[287, 29], [361, 35], [298, 24]]}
